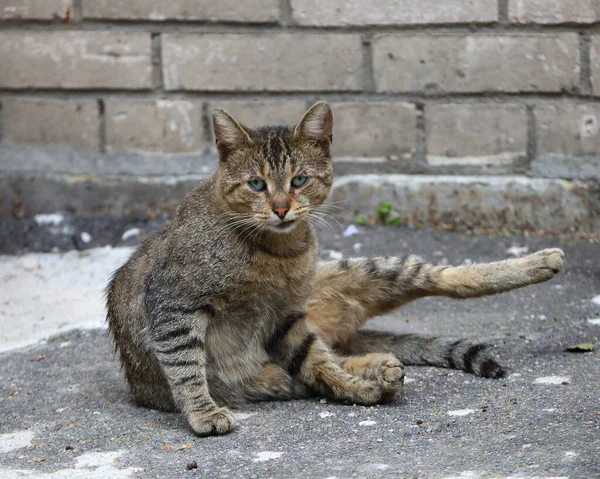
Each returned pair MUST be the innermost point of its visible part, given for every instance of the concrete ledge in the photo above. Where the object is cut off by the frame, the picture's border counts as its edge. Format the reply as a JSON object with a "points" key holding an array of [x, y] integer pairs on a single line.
{"points": [[466, 203], [474, 202]]}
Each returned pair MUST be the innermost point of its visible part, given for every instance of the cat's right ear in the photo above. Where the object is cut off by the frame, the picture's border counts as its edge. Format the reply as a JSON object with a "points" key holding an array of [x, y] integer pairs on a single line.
{"points": [[228, 132]]}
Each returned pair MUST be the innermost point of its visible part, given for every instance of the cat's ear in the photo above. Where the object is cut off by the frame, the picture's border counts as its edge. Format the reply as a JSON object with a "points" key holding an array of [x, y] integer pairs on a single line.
{"points": [[228, 132], [316, 124]]}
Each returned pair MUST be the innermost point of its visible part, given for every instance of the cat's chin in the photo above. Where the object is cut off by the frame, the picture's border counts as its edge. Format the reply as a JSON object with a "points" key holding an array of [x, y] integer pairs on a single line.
{"points": [[282, 228]]}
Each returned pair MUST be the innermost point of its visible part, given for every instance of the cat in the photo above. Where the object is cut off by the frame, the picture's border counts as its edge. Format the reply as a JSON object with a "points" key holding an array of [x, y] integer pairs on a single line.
{"points": [[229, 304]]}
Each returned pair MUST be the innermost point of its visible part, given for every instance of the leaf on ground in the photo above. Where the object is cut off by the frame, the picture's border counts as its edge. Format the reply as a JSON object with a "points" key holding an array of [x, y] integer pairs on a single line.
{"points": [[185, 446], [167, 448], [580, 348]]}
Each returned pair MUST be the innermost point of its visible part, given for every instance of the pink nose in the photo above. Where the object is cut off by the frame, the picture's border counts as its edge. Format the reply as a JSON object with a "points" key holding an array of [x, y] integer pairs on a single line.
{"points": [[280, 210]]}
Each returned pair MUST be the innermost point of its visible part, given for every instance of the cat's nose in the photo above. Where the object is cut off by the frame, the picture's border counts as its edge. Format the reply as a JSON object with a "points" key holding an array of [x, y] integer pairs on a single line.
{"points": [[281, 209]]}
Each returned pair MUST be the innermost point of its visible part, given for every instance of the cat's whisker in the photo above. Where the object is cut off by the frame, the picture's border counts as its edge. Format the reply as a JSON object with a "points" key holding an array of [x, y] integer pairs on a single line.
{"points": [[321, 221], [325, 217]]}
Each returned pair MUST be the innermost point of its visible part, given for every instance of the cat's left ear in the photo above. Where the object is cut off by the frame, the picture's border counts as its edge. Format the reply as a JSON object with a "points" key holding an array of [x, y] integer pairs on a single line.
{"points": [[228, 132], [316, 124]]}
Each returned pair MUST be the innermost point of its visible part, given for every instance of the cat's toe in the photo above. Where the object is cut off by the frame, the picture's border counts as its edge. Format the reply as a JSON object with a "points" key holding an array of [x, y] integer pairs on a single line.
{"points": [[391, 374], [212, 423]]}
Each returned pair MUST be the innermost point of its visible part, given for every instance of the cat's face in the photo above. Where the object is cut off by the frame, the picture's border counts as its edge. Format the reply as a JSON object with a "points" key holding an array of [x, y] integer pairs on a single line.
{"points": [[274, 177]]}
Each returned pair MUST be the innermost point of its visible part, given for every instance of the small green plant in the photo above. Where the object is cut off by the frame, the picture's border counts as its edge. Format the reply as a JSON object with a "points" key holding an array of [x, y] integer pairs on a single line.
{"points": [[397, 221], [361, 220], [384, 210]]}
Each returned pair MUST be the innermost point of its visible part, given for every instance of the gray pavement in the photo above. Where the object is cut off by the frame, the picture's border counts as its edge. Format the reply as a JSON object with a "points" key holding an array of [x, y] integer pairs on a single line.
{"points": [[65, 410]]}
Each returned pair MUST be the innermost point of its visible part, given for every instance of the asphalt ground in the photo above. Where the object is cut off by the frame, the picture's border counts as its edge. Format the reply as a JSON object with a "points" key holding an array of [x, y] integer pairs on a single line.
{"points": [[65, 410]]}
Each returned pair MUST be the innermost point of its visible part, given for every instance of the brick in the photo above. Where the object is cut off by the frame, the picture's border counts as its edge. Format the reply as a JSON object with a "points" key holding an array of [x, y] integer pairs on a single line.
{"points": [[71, 123], [392, 12], [35, 10], [568, 129], [162, 126], [374, 130], [553, 11], [262, 62], [476, 135], [452, 63], [595, 64], [157, 10], [75, 60]]}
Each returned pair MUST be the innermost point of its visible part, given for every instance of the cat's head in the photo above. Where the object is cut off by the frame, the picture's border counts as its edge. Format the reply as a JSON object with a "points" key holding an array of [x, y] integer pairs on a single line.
{"points": [[274, 176]]}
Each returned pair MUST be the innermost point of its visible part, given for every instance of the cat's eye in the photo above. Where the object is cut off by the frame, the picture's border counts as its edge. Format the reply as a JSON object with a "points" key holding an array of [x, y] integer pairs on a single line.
{"points": [[257, 184], [299, 180]]}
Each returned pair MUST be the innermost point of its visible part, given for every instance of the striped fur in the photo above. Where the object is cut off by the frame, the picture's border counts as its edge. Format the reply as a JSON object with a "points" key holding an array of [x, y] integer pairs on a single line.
{"points": [[224, 306]]}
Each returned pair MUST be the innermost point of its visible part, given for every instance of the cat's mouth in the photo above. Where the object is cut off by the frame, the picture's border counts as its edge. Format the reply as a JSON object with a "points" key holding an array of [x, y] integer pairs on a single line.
{"points": [[284, 225]]}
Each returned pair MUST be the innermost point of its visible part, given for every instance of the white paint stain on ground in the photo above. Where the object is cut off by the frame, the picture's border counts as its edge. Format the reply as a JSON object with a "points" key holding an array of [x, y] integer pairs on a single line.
{"points": [[335, 255], [267, 456], [43, 294], [240, 416], [552, 409], [351, 230], [15, 440], [461, 412], [515, 250], [596, 299], [325, 414], [409, 380], [595, 321], [130, 233], [93, 465], [552, 380], [367, 423], [53, 219]]}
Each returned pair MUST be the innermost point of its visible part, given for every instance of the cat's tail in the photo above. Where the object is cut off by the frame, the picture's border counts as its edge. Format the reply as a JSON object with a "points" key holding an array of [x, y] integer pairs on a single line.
{"points": [[414, 349]]}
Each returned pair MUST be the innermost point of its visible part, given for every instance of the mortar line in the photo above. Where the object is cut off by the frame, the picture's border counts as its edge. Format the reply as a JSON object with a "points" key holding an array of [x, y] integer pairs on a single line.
{"points": [[101, 126], [531, 136], [421, 152], [1, 122], [207, 128], [585, 62], [157, 73], [77, 11], [367, 63], [333, 96], [503, 12], [173, 26], [286, 17]]}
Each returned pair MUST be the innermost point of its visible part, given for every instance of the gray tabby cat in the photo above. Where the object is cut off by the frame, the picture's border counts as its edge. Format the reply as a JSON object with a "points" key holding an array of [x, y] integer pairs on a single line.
{"points": [[228, 303]]}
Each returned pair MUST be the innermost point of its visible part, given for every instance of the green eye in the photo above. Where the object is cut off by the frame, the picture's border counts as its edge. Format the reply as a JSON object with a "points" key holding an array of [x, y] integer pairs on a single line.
{"points": [[300, 180], [257, 184]]}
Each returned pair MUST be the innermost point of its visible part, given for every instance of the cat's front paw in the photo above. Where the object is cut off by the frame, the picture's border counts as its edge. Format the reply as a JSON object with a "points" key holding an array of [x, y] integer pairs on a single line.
{"points": [[212, 423], [544, 264]]}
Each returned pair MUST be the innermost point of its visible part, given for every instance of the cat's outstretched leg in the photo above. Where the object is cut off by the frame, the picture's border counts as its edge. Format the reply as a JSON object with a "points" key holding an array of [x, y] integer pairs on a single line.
{"points": [[177, 339], [349, 292]]}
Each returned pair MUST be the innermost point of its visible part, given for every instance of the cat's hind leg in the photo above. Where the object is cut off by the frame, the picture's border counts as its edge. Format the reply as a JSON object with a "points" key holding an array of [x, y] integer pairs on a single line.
{"points": [[347, 293], [275, 384], [304, 357]]}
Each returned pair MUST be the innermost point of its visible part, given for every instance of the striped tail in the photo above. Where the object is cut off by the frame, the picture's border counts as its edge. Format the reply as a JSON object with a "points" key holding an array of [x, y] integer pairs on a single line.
{"points": [[419, 350]]}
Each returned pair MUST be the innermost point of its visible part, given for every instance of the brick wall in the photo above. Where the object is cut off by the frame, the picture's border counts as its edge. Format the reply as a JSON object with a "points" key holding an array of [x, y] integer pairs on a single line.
{"points": [[417, 86]]}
